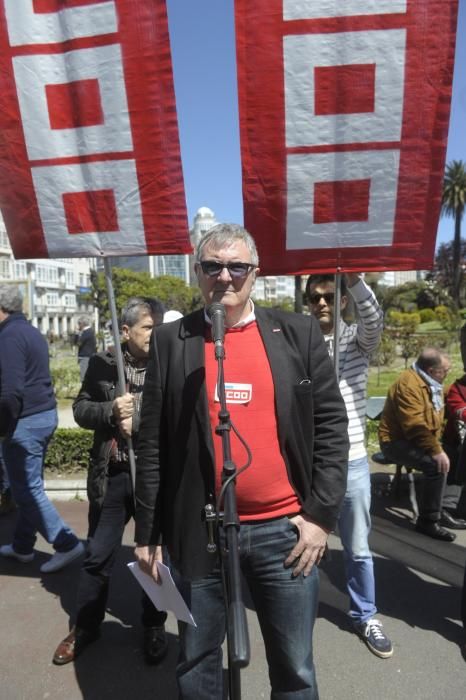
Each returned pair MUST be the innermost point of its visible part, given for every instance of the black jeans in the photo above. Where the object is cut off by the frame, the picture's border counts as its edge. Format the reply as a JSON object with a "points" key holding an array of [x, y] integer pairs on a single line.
{"points": [[106, 527], [406, 453]]}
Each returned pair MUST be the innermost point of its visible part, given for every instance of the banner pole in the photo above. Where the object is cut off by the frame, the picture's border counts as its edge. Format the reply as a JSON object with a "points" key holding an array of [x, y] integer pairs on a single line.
{"points": [[119, 362], [336, 325]]}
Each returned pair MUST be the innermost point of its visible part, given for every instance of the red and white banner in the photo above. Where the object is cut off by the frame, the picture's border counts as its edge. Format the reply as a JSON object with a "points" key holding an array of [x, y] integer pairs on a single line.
{"points": [[89, 152], [344, 110]]}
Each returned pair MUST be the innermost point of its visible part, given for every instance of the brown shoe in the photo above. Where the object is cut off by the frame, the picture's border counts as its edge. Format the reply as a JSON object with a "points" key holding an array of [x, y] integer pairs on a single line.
{"points": [[70, 647]]}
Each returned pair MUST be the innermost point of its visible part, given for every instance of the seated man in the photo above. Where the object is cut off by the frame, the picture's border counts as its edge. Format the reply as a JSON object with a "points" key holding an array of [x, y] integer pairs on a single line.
{"points": [[410, 431], [453, 442], [111, 502], [454, 434]]}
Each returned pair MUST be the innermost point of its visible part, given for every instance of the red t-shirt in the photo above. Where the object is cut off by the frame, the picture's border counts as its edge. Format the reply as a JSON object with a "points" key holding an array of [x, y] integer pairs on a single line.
{"points": [[263, 490]]}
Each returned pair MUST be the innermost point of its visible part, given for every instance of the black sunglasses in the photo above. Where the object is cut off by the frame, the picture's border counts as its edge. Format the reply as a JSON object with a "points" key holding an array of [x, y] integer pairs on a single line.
{"points": [[329, 297], [212, 268]]}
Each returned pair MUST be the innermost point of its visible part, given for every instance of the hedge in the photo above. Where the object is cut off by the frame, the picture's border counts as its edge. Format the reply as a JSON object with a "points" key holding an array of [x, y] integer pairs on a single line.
{"points": [[68, 451]]}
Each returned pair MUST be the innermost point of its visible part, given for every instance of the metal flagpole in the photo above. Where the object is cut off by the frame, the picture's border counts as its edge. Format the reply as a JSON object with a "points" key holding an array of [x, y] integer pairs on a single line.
{"points": [[336, 325], [119, 362]]}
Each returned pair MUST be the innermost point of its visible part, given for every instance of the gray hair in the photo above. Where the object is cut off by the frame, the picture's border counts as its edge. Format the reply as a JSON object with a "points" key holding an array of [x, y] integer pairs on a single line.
{"points": [[11, 299], [223, 235], [430, 358], [84, 321], [136, 307]]}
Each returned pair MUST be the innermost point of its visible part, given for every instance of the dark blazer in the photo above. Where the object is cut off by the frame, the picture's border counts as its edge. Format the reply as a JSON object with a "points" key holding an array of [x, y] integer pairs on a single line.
{"points": [[175, 476], [87, 343], [93, 410]]}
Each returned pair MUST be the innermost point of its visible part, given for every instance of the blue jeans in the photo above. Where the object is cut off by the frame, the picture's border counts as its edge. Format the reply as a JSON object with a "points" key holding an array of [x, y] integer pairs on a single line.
{"points": [[286, 609], [354, 525], [24, 454]]}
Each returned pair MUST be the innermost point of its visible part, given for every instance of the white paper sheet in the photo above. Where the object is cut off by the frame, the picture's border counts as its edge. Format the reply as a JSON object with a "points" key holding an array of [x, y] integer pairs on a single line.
{"points": [[164, 595]]}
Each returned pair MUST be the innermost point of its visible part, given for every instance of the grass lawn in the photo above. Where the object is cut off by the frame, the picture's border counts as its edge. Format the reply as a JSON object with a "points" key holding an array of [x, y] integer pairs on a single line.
{"points": [[380, 381]]}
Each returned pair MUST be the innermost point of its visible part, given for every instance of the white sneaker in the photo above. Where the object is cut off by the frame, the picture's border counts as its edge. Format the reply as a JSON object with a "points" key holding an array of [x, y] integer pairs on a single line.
{"points": [[62, 559], [6, 550]]}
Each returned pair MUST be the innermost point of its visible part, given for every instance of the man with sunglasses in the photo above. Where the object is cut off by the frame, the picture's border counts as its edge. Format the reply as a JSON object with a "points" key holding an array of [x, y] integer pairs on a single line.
{"points": [[284, 401], [356, 344]]}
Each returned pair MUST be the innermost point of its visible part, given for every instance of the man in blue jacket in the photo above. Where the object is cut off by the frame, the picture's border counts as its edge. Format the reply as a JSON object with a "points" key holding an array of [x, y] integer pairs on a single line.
{"points": [[28, 418]]}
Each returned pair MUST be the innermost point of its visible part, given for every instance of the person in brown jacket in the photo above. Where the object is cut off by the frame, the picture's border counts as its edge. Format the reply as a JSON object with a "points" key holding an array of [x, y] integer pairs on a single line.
{"points": [[410, 433]]}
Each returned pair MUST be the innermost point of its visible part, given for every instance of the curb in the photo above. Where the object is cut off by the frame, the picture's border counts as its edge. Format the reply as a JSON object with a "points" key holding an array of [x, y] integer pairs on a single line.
{"points": [[66, 489]]}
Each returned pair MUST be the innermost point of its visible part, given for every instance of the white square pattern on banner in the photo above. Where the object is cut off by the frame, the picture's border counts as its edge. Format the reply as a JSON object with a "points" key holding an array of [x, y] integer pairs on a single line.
{"points": [[34, 73], [304, 170], [312, 9], [51, 182], [25, 26], [304, 53]]}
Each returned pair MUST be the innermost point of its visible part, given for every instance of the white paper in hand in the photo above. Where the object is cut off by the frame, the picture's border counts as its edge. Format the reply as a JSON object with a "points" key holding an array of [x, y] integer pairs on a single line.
{"points": [[164, 595]]}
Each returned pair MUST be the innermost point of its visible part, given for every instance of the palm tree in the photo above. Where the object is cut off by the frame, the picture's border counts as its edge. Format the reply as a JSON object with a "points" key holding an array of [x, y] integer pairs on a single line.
{"points": [[453, 203]]}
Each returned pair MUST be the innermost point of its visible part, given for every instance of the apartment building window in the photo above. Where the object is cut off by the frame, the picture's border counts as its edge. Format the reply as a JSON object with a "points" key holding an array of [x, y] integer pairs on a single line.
{"points": [[20, 270], [70, 299], [70, 278], [4, 242], [5, 268], [46, 274], [52, 299]]}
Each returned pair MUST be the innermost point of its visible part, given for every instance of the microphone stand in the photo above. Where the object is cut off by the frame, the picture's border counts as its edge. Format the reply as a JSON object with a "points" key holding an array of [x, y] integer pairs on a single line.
{"points": [[237, 629]]}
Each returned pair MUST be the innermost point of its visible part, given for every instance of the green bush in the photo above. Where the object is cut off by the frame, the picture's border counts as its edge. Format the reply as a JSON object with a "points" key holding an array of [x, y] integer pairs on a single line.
{"points": [[65, 378], [68, 451], [427, 315], [372, 435]]}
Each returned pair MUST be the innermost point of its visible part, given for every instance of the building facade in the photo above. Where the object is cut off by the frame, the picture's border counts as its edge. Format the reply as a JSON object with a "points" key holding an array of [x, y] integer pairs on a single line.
{"points": [[55, 291]]}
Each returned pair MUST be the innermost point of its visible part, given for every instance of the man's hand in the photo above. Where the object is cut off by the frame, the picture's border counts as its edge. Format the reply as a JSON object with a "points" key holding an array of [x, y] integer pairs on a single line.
{"points": [[147, 558], [353, 278], [123, 407], [443, 463], [310, 547], [126, 427]]}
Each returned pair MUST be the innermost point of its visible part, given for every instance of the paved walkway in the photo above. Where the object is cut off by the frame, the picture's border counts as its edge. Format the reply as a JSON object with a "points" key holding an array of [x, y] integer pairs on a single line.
{"points": [[418, 586]]}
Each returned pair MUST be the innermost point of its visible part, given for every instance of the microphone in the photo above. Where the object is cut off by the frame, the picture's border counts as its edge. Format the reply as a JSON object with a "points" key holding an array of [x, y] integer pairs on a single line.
{"points": [[216, 313]]}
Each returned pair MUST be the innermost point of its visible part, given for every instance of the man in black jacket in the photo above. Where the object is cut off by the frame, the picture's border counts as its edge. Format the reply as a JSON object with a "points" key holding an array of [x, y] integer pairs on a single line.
{"points": [[87, 345], [111, 502], [284, 400]]}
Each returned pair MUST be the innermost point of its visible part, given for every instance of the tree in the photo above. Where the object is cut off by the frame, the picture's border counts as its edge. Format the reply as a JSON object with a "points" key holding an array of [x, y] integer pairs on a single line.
{"points": [[171, 291], [453, 202], [413, 296], [442, 274], [385, 352]]}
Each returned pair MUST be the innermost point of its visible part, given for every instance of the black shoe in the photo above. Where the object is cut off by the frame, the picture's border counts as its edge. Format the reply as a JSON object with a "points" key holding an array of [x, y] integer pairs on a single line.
{"points": [[155, 644], [447, 520], [434, 530]]}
